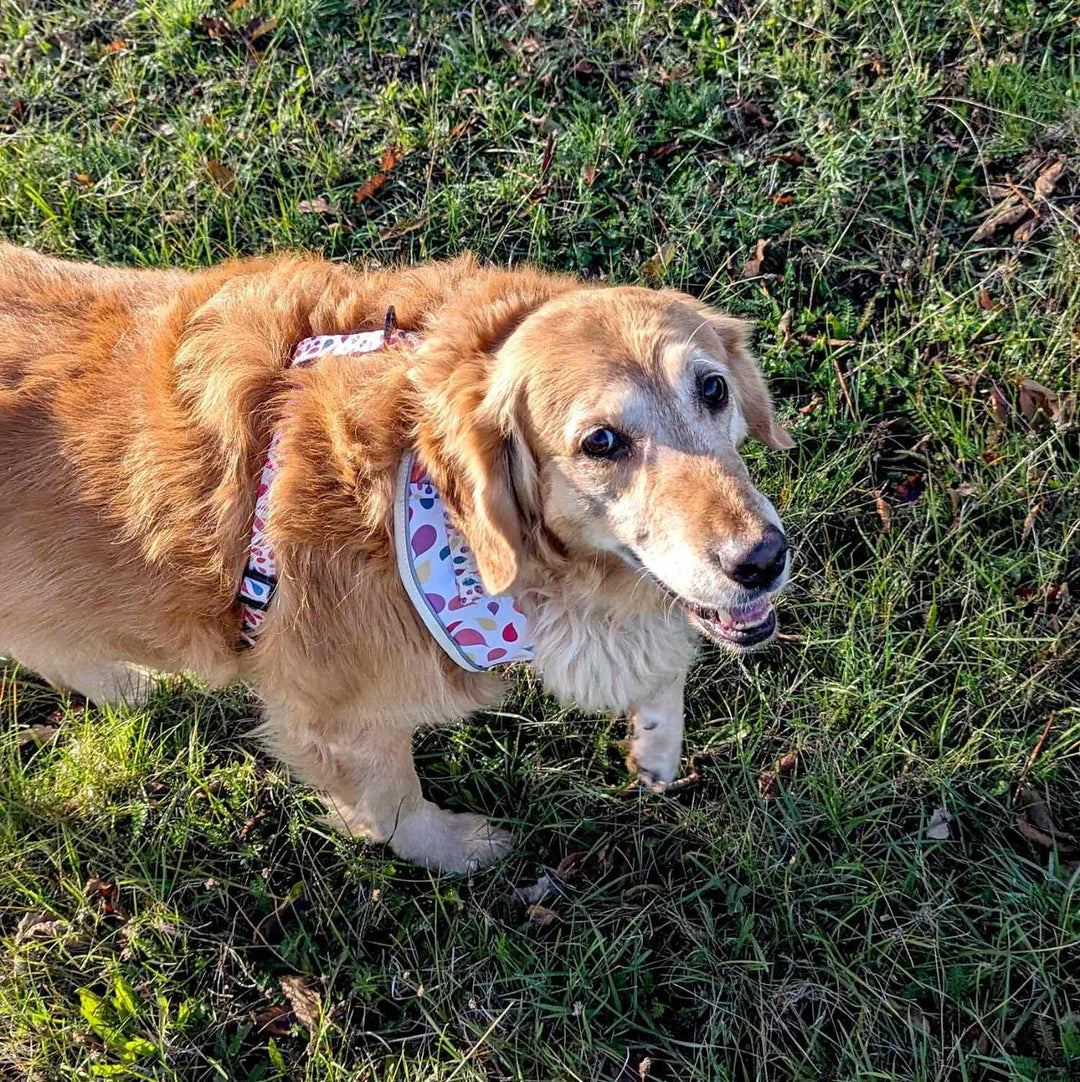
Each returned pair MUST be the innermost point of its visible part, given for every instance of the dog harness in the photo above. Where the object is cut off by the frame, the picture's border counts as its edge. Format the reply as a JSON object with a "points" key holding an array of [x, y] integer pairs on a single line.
{"points": [[437, 568]]}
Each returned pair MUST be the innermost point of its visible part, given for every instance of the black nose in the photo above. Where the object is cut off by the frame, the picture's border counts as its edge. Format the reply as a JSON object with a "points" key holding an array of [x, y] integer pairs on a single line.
{"points": [[761, 566]]}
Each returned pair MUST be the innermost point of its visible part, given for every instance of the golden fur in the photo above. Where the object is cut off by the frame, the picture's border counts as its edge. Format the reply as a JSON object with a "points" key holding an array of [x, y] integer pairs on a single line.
{"points": [[135, 412]]}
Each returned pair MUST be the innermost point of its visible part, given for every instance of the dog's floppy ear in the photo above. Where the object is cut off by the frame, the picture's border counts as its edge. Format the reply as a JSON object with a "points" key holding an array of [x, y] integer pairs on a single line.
{"points": [[468, 410], [468, 446], [751, 391]]}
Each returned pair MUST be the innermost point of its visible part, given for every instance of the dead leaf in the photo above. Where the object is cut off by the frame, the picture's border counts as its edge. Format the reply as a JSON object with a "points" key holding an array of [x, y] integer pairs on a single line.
{"points": [[276, 1021], [1058, 595], [584, 864], [1009, 214], [938, 828], [911, 488], [811, 405], [1026, 229], [216, 27], [584, 67], [547, 157], [542, 916], [1034, 822], [35, 734], [387, 164], [571, 864], [370, 187], [783, 200], [987, 303], [104, 892], [1048, 179], [752, 267], [769, 780], [462, 127], [918, 1018], [391, 156], [884, 511], [305, 1002], [40, 926], [399, 229], [784, 326], [1029, 520], [837, 342], [999, 405], [954, 499], [258, 28], [250, 824], [318, 205], [117, 46], [237, 4], [975, 1037], [173, 216], [1036, 399], [653, 268], [753, 114], [535, 893], [589, 173], [966, 381], [544, 123], [789, 157], [768, 786], [665, 150], [221, 175]]}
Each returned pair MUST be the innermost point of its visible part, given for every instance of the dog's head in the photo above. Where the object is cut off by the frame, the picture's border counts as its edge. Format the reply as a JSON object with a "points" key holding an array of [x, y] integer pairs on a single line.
{"points": [[604, 428]]}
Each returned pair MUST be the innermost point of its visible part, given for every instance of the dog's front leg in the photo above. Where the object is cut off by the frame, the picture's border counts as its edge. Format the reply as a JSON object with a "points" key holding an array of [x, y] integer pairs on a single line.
{"points": [[656, 732]]}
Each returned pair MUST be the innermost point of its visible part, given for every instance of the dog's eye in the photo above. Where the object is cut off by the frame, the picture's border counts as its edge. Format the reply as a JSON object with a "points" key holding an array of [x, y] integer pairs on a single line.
{"points": [[603, 443], [714, 392]]}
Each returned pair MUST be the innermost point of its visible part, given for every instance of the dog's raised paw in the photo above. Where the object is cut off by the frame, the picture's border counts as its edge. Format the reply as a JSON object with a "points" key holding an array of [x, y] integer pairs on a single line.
{"points": [[654, 771], [648, 780]]}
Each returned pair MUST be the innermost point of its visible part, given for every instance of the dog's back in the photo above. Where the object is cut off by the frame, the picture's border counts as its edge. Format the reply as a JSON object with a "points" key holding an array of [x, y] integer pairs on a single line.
{"points": [[61, 326], [134, 408]]}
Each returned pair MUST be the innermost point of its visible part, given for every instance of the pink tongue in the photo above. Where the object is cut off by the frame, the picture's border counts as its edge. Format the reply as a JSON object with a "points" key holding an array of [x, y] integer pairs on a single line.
{"points": [[753, 615]]}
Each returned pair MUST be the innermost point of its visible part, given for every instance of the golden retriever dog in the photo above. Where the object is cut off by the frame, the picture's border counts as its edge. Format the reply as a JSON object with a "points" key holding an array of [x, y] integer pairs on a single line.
{"points": [[585, 440]]}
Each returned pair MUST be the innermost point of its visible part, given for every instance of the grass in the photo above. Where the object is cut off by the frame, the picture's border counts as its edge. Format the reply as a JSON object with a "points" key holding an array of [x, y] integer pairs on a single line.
{"points": [[809, 927]]}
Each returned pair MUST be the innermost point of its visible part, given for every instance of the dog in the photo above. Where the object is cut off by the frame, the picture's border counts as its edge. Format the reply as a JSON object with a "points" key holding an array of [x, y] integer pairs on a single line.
{"points": [[582, 438]]}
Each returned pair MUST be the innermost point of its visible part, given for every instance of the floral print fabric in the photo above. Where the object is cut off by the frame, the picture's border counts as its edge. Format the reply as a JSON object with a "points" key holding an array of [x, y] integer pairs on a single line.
{"points": [[439, 573], [436, 565]]}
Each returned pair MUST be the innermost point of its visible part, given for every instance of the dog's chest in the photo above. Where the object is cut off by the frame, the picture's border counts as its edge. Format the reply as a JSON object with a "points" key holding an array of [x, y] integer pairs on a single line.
{"points": [[604, 663]]}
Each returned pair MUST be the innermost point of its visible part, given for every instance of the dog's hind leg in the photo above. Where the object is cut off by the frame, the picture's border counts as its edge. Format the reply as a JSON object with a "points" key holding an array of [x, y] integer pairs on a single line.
{"points": [[372, 790]]}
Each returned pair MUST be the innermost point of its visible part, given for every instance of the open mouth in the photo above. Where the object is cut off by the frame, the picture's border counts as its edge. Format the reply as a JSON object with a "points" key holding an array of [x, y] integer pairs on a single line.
{"points": [[741, 628]]}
